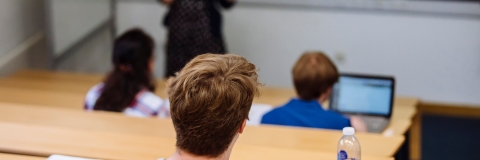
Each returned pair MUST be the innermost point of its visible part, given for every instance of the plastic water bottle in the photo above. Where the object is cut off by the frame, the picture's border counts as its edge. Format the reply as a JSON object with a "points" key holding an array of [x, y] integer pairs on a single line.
{"points": [[348, 147]]}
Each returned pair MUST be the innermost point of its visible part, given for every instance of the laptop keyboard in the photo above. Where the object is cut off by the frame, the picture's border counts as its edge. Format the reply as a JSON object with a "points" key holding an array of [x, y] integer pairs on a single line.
{"points": [[375, 124]]}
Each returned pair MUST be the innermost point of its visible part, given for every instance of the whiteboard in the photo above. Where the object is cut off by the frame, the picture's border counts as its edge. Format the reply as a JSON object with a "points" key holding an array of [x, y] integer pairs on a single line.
{"points": [[72, 20], [465, 7]]}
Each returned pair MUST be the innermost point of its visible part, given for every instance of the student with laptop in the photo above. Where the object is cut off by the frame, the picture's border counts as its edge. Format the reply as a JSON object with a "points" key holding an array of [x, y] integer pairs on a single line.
{"points": [[210, 100], [129, 87], [314, 76]]}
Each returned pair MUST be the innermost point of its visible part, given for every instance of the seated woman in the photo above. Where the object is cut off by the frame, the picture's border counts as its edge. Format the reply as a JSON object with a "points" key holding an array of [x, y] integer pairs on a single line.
{"points": [[128, 88], [314, 75]]}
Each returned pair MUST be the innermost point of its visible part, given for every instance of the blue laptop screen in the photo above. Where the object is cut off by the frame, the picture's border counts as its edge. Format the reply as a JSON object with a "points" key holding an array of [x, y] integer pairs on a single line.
{"points": [[363, 95]]}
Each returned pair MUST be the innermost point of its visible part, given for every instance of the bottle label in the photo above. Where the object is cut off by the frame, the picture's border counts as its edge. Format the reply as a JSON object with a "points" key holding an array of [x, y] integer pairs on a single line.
{"points": [[342, 155]]}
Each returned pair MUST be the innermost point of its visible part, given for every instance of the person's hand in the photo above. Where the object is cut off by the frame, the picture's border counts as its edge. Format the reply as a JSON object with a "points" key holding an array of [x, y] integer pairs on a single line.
{"points": [[358, 124]]}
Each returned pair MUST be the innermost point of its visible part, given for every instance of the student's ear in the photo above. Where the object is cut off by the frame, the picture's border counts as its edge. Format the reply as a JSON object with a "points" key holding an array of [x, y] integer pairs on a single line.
{"points": [[151, 64], [240, 130], [329, 92], [326, 95]]}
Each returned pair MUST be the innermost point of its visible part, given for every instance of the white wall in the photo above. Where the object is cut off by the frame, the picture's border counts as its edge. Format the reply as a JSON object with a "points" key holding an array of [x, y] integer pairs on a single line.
{"points": [[93, 55], [147, 15], [19, 19], [21, 27], [72, 20], [435, 58]]}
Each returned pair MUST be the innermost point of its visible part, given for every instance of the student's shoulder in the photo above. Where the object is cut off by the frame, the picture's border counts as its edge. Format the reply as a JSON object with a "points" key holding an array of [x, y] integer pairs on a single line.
{"points": [[277, 111], [285, 108], [276, 116], [151, 100], [92, 96], [336, 115], [96, 88], [95, 91]]}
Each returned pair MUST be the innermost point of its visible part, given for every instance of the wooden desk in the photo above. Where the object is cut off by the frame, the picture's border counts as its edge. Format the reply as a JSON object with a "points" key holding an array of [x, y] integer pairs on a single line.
{"points": [[59, 75], [81, 83], [407, 101], [264, 136], [63, 89], [88, 78], [401, 119], [48, 86], [42, 97], [268, 95], [6, 156], [61, 86], [62, 81], [44, 141], [261, 153], [271, 96]]}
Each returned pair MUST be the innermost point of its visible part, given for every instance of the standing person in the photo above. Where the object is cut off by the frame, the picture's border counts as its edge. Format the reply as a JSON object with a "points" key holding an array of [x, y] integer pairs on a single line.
{"points": [[128, 88], [210, 101], [194, 27]]}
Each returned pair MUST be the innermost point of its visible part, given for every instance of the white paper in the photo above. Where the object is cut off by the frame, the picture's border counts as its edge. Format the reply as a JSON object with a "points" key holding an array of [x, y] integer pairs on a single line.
{"points": [[256, 113], [60, 157]]}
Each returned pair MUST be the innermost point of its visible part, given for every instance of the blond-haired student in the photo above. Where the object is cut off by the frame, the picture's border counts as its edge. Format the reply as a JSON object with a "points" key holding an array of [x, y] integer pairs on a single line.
{"points": [[210, 100], [314, 75]]}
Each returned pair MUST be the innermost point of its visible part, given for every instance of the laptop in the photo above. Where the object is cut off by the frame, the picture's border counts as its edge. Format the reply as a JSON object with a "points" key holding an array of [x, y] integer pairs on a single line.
{"points": [[368, 96]]}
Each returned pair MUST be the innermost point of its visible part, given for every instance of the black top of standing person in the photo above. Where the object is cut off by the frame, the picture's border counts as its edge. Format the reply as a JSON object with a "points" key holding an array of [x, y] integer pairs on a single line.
{"points": [[194, 28], [209, 6]]}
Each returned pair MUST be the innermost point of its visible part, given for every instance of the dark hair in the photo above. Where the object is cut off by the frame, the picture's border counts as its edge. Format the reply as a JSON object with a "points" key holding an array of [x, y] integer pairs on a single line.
{"points": [[210, 98], [313, 74], [132, 52]]}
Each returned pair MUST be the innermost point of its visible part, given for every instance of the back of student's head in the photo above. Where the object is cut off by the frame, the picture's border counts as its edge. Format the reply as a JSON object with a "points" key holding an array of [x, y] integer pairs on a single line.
{"points": [[210, 98], [313, 74], [132, 61]]}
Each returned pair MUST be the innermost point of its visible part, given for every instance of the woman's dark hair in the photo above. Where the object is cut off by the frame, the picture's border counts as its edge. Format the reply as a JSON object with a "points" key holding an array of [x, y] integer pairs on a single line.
{"points": [[132, 53]]}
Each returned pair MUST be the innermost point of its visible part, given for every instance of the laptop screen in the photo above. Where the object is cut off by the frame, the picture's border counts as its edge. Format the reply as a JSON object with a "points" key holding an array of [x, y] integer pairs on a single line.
{"points": [[363, 95]]}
